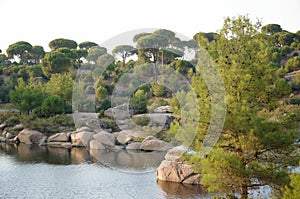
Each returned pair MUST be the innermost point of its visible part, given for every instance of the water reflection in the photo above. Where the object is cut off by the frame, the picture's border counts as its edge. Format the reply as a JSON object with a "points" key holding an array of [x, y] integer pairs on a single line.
{"points": [[60, 177], [178, 190], [128, 160], [43, 154]]}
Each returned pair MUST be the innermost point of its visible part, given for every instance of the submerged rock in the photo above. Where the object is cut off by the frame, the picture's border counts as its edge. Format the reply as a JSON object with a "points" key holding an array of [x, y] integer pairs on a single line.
{"points": [[174, 169]]}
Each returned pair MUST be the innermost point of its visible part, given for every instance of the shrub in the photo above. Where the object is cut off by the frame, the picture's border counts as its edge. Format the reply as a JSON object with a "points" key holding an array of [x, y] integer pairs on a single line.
{"points": [[296, 82], [139, 102], [53, 105], [293, 64], [286, 50], [158, 90], [142, 120], [111, 123]]}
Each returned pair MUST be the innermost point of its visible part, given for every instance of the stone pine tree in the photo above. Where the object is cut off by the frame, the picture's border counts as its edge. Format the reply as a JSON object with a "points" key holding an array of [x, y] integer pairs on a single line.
{"points": [[254, 148]]}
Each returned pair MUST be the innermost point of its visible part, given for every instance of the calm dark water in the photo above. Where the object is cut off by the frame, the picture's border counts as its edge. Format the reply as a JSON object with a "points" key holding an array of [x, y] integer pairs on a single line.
{"points": [[44, 172]]}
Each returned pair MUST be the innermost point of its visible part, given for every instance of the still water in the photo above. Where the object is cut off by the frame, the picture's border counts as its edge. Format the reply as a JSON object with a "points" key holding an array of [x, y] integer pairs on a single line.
{"points": [[45, 172]]}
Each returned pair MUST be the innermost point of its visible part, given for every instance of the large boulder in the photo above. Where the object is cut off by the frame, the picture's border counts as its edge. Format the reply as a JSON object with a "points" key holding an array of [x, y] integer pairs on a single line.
{"points": [[151, 143], [30, 136], [59, 137], [120, 112], [134, 146], [102, 140], [174, 169], [163, 109], [82, 138]]}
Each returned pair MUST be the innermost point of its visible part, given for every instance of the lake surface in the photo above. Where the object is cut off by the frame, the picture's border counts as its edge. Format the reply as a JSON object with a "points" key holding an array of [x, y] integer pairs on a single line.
{"points": [[44, 172]]}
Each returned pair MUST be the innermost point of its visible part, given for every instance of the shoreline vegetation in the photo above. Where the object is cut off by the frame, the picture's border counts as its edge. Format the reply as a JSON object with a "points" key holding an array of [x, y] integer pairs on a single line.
{"points": [[42, 92]]}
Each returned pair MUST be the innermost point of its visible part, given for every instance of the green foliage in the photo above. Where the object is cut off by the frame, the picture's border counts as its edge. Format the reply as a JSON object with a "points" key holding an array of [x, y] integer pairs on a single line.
{"points": [[60, 85], [52, 105], [21, 49], [124, 51], [62, 43], [111, 123], [285, 50], [25, 97], [142, 120], [248, 139], [293, 64], [296, 82], [139, 102], [271, 29], [158, 90], [55, 62], [87, 45], [95, 52], [101, 93], [106, 104], [293, 190], [37, 53]]}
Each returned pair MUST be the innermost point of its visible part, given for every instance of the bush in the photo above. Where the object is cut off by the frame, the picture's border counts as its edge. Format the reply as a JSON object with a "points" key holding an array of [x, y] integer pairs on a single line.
{"points": [[139, 102], [142, 120], [158, 90], [296, 82], [53, 105], [293, 64], [106, 104], [295, 101], [111, 123], [286, 50]]}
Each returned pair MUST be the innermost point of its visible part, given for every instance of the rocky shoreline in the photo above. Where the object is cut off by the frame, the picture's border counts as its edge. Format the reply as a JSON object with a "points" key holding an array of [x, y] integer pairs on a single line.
{"points": [[95, 139]]}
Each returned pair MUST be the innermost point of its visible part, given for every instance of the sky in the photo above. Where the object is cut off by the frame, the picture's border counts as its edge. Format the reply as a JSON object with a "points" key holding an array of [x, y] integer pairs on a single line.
{"points": [[40, 21]]}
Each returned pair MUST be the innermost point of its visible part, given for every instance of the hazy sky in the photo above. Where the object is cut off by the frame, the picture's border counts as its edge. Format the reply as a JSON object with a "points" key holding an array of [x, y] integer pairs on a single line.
{"points": [[40, 21]]}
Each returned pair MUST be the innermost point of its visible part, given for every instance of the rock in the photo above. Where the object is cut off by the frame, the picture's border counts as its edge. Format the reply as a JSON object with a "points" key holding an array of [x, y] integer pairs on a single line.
{"points": [[96, 124], [193, 179], [134, 146], [84, 128], [18, 127], [123, 138], [82, 138], [3, 126], [102, 140], [16, 140], [4, 133], [175, 153], [60, 144], [30, 136], [151, 143], [66, 145], [9, 136], [173, 169], [120, 112], [58, 137], [43, 141], [163, 109], [2, 139]]}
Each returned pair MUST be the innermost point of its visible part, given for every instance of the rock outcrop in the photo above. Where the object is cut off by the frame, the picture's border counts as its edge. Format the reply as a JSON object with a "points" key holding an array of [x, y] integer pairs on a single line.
{"points": [[162, 109], [59, 137], [31, 137], [151, 143], [173, 169], [82, 138], [102, 140]]}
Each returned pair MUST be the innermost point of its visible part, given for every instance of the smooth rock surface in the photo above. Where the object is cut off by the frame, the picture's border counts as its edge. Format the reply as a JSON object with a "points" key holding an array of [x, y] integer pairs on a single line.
{"points": [[134, 146], [82, 138], [151, 143], [162, 109], [58, 137], [30, 136]]}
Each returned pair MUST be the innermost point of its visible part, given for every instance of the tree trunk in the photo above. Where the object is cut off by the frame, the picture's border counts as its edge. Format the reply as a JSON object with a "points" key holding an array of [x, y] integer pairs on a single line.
{"points": [[244, 192]]}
